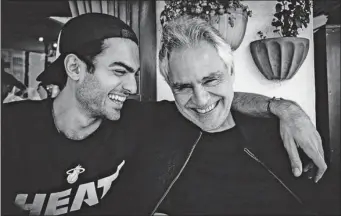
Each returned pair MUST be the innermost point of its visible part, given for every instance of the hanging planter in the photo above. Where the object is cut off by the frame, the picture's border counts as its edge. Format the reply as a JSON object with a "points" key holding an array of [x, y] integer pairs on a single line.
{"points": [[232, 26], [230, 17], [280, 58]]}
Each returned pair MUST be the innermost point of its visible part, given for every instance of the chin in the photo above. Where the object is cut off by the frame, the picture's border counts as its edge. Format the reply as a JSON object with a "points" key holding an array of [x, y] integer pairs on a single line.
{"points": [[210, 126], [113, 116]]}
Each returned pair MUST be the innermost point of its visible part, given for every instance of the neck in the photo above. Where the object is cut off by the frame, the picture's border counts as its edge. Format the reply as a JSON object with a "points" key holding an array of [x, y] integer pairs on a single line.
{"points": [[71, 119], [227, 125]]}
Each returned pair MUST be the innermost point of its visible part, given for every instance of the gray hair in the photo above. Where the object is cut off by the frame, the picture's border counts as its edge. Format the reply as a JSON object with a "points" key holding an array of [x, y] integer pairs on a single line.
{"points": [[187, 31]]}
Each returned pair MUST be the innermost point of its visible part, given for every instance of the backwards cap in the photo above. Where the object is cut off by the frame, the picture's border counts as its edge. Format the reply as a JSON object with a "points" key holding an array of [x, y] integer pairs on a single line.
{"points": [[79, 31]]}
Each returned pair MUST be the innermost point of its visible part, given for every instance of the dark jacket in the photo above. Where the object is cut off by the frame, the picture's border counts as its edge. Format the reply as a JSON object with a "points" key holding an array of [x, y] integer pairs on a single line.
{"points": [[166, 144]]}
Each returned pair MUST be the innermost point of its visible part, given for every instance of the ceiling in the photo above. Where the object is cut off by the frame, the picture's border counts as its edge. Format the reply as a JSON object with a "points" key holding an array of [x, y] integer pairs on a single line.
{"points": [[24, 21]]}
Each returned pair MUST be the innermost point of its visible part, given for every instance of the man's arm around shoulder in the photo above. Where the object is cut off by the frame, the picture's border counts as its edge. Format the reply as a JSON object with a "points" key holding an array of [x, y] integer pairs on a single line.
{"points": [[296, 128]]}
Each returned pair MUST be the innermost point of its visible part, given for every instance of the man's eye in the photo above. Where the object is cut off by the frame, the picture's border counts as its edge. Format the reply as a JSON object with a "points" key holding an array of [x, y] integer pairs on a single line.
{"points": [[182, 89], [211, 82], [120, 72]]}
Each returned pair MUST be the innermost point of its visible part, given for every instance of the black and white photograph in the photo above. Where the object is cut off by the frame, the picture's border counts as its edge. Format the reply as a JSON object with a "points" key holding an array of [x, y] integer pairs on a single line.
{"points": [[193, 107]]}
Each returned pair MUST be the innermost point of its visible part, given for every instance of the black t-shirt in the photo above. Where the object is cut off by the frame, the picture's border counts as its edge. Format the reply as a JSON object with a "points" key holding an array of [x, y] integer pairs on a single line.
{"points": [[45, 173], [222, 179]]}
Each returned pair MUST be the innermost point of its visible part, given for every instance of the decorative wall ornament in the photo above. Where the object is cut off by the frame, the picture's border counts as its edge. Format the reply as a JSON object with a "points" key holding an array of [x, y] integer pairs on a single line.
{"points": [[279, 58], [232, 26]]}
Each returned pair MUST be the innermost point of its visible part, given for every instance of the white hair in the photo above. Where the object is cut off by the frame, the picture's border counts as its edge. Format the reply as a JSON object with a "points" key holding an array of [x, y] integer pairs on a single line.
{"points": [[186, 32]]}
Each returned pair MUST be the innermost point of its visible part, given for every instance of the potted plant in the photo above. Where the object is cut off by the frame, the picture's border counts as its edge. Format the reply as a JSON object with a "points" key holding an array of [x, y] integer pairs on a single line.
{"points": [[230, 17], [280, 58]]}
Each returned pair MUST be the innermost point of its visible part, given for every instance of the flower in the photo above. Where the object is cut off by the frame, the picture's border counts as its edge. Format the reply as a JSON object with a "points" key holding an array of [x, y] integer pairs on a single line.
{"points": [[221, 11], [206, 9], [198, 10]]}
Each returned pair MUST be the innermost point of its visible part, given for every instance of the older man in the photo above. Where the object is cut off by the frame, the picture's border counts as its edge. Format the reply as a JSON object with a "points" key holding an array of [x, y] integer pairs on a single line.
{"points": [[201, 158]]}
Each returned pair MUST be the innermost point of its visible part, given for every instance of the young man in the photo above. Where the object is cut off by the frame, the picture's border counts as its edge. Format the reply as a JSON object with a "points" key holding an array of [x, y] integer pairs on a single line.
{"points": [[201, 158], [63, 155]]}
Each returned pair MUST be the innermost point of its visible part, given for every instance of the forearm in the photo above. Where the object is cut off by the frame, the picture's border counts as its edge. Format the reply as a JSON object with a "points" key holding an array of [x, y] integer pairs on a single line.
{"points": [[257, 105]]}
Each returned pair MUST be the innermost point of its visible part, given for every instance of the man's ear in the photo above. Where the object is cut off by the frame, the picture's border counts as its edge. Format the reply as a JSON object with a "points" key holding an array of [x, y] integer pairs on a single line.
{"points": [[72, 66]]}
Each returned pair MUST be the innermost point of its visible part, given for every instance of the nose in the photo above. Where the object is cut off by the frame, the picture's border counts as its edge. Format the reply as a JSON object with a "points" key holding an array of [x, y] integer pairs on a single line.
{"points": [[200, 96], [129, 85]]}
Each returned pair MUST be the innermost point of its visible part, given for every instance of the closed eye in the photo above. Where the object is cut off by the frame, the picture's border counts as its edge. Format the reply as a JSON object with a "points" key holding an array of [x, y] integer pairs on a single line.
{"points": [[181, 87], [120, 72], [209, 81], [213, 81]]}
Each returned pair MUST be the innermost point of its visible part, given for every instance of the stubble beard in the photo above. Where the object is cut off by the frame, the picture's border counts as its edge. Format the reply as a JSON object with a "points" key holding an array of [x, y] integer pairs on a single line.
{"points": [[89, 97]]}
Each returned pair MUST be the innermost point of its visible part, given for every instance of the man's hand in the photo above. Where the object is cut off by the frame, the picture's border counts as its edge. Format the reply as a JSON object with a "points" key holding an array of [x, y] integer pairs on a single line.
{"points": [[297, 130]]}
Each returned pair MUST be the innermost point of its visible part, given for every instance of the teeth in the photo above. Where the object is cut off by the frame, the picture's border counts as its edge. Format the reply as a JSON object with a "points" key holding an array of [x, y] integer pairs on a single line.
{"points": [[117, 98], [203, 111]]}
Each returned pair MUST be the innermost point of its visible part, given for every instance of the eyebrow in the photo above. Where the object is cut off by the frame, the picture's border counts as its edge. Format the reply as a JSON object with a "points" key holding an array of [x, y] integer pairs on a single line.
{"points": [[212, 75], [178, 85], [181, 85], [122, 64]]}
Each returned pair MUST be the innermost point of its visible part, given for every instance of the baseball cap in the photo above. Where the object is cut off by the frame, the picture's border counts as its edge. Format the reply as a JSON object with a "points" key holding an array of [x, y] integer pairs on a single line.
{"points": [[81, 30]]}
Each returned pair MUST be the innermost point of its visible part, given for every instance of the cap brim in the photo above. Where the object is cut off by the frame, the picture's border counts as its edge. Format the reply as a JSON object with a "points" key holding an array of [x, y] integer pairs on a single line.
{"points": [[54, 73]]}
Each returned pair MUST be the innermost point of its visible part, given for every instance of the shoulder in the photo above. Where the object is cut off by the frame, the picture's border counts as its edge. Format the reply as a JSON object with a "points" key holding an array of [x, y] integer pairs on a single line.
{"points": [[260, 133], [135, 111], [20, 108], [22, 116], [268, 121], [257, 125], [262, 137], [21, 128], [132, 106]]}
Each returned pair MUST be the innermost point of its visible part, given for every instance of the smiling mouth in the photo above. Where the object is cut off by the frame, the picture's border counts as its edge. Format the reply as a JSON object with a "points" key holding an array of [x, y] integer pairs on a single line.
{"points": [[207, 109], [117, 98]]}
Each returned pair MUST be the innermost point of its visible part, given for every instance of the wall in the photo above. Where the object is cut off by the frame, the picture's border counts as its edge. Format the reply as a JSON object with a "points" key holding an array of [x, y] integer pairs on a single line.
{"points": [[301, 88], [36, 66]]}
